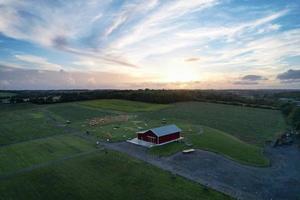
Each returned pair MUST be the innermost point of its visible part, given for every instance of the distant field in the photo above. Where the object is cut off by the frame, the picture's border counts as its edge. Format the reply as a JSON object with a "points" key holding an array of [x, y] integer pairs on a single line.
{"points": [[103, 176], [26, 154], [249, 124], [75, 112], [216, 141], [124, 105], [16, 107], [24, 124], [7, 94]]}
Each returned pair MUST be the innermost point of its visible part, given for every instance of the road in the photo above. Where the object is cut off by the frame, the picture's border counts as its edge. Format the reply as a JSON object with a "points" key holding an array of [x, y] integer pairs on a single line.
{"points": [[279, 181]]}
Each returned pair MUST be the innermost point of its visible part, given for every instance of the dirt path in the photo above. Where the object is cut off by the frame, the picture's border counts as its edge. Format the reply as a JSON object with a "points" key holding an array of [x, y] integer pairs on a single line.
{"points": [[280, 181]]}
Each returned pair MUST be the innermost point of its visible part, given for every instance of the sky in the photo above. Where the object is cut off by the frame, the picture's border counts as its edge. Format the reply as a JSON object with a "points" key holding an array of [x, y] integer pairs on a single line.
{"points": [[171, 44]]}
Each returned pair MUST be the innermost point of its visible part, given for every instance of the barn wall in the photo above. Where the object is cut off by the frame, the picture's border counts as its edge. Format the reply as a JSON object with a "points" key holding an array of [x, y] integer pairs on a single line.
{"points": [[170, 137], [146, 137]]}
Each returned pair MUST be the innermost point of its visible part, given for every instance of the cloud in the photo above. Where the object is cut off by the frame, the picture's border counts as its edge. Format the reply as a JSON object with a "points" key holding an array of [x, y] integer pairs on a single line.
{"points": [[55, 26], [193, 59], [289, 76], [16, 78], [250, 80], [36, 62], [245, 83], [253, 78], [148, 37], [59, 42]]}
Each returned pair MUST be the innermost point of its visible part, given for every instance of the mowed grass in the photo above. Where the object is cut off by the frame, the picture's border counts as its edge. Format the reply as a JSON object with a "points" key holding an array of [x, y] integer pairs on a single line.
{"points": [[75, 112], [106, 176], [124, 105], [252, 125], [216, 141], [26, 154], [7, 94], [30, 122]]}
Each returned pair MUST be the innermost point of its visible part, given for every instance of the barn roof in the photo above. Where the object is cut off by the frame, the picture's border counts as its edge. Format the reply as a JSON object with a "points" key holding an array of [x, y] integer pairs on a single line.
{"points": [[165, 130]]}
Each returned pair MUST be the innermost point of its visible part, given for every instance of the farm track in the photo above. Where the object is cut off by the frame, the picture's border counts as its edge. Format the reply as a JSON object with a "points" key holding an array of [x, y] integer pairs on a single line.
{"points": [[280, 181]]}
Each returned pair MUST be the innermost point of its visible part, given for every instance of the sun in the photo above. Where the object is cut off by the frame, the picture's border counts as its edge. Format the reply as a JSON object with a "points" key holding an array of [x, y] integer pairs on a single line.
{"points": [[180, 75]]}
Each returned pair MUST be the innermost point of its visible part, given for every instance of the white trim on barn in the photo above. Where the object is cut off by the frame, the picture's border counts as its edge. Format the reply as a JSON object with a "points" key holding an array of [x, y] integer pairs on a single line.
{"points": [[143, 143]]}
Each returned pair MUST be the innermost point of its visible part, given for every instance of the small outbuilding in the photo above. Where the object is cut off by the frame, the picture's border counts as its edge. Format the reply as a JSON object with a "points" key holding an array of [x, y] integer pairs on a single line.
{"points": [[160, 135]]}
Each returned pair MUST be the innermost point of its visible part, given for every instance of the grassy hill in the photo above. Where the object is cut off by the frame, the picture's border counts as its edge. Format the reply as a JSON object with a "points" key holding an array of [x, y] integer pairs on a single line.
{"points": [[251, 125], [7, 94], [216, 141], [26, 154], [101, 175], [124, 105], [42, 157], [30, 122]]}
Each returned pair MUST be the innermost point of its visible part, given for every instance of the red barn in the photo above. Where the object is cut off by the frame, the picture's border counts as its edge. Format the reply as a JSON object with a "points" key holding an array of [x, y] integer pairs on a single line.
{"points": [[160, 135]]}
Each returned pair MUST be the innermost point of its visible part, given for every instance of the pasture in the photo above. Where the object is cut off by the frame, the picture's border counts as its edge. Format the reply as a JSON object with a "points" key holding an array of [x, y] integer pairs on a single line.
{"points": [[216, 141], [30, 122], [32, 152], [42, 152], [124, 105], [252, 125], [75, 112], [101, 175], [7, 94]]}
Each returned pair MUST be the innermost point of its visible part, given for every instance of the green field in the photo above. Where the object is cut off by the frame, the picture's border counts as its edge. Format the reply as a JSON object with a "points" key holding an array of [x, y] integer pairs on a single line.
{"points": [[102, 176], [42, 153], [26, 154], [216, 141], [31, 122], [251, 125], [7, 94], [74, 112], [124, 105]]}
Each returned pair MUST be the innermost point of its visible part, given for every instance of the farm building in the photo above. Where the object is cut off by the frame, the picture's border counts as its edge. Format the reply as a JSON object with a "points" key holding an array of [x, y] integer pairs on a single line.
{"points": [[160, 135]]}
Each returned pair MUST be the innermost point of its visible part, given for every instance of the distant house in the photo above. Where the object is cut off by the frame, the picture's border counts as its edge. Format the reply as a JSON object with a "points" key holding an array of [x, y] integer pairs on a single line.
{"points": [[160, 135]]}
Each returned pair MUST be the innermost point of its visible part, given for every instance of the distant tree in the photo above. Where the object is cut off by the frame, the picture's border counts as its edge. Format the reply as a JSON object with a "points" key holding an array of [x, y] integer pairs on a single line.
{"points": [[287, 108], [294, 117]]}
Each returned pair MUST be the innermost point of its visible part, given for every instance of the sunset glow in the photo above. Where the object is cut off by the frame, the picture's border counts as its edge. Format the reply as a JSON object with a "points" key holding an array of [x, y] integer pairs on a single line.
{"points": [[158, 44]]}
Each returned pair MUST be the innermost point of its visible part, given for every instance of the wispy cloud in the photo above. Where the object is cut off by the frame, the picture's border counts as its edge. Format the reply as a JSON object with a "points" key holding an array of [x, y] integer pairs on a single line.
{"points": [[206, 39], [16, 78], [36, 62]]}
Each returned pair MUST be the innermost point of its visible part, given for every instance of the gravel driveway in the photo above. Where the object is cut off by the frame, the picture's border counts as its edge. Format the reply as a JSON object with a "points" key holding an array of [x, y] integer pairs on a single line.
{"points": [[280, 181]]}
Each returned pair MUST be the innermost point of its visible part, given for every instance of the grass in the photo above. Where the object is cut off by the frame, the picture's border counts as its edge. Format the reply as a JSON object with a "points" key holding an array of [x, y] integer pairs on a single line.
{"points": [[18, 125], [7, 94], [124, 105], [75, 112], [103, 176], [16, 107], [34, 123], [115, 131], [112, 175], [251, 125], [26, 154], [216, 141]]}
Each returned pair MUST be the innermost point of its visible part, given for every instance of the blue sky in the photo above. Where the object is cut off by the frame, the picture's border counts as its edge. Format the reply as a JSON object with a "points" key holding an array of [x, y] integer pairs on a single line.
{"points": [[218, 44]]}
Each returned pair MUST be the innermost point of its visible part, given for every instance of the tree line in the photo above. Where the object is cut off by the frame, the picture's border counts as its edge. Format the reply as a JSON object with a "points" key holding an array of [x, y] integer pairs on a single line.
{"points": [[233, 97]]}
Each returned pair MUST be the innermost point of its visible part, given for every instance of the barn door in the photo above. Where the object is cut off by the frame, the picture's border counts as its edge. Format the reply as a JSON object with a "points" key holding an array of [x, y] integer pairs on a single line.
{"points": [[151, 139]]}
